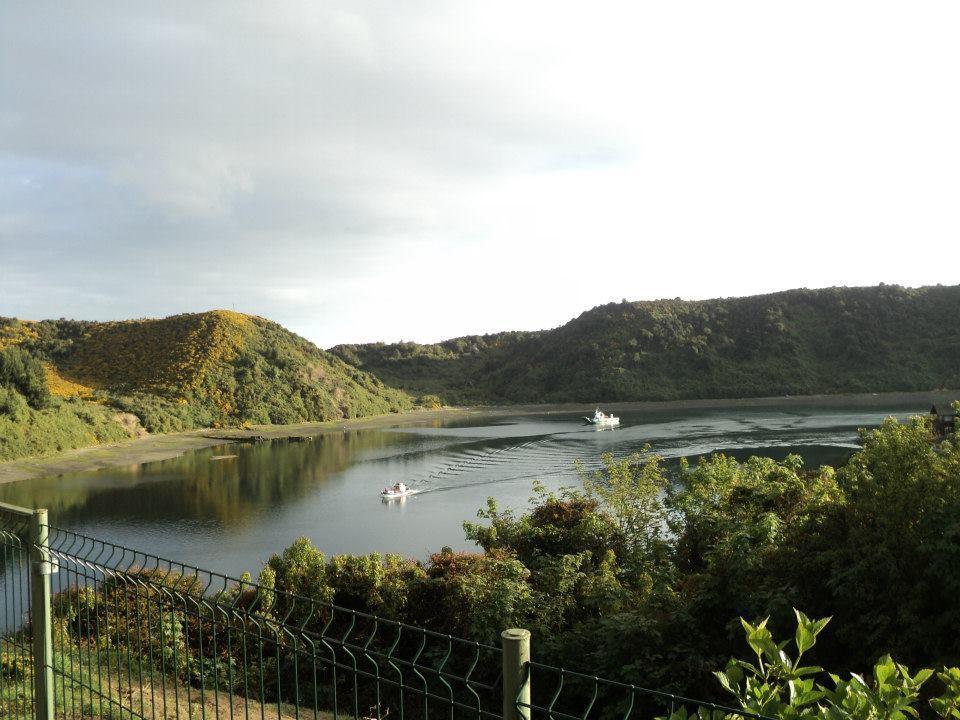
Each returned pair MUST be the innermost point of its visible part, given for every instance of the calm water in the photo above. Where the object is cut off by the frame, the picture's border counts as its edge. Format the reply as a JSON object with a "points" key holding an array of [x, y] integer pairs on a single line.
{"points": [[232, 514]]}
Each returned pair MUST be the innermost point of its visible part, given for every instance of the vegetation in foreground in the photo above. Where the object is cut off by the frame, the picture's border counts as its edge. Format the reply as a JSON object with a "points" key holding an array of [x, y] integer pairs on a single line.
{"points": [[799, 342], [653, 578], [66, 384]]}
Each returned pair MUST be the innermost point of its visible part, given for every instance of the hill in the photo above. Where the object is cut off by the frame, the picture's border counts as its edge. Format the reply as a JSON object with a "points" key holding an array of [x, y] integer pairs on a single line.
{"points": [[87, 382], [835, 340]]}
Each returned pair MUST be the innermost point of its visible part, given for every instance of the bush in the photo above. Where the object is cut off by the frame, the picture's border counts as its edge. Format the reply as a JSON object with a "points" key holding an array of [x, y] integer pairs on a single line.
{"points": [[63, 425], [775, 683], [22, 372]]}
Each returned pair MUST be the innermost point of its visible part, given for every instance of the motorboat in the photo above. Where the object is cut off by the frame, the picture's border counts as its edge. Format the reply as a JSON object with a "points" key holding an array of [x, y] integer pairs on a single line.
{"points": [[601, 419], [399, 490]]}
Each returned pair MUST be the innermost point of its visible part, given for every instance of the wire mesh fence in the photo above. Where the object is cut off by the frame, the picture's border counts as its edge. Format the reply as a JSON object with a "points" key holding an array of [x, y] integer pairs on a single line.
{"points": [[133, 635], [561, 694], [16, 653]]}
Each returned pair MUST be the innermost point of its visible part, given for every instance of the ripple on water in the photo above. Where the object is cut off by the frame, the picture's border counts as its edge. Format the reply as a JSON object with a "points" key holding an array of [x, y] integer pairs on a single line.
{"points": [[233, 515]]}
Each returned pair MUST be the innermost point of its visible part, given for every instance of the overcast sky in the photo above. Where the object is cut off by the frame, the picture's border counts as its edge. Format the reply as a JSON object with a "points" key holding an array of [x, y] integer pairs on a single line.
{"points": [[411, 170]]}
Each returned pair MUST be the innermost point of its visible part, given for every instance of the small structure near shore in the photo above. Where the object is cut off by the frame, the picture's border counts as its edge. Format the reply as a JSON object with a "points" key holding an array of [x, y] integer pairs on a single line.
{"points": [[943, 423]]}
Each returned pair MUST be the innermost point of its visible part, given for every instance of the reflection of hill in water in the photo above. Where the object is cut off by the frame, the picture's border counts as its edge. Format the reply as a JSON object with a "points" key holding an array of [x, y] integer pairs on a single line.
{"points": [[233, 514], [194, 486], [195, 489]]}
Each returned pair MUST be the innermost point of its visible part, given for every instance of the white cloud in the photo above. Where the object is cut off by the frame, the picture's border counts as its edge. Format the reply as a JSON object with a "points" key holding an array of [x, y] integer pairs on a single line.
{"points": [[207, 183], [366, 171]]}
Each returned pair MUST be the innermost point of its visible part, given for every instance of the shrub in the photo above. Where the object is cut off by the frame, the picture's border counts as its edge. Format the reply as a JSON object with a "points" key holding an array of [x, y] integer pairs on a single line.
{"points": [[22, 372]]}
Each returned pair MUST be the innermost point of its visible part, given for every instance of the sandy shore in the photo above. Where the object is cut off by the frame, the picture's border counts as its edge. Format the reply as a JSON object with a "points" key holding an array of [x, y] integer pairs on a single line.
{"points": [[166, 446], [163, 447]]}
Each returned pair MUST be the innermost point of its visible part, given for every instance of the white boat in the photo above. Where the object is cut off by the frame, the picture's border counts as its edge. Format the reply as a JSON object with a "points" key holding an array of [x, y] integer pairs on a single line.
{"points": [[399, 490], [602, 419]]}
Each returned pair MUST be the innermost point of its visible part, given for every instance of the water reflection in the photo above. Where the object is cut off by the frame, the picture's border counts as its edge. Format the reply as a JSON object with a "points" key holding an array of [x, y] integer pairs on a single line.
{"points": [[233, 513], [229, 492]]}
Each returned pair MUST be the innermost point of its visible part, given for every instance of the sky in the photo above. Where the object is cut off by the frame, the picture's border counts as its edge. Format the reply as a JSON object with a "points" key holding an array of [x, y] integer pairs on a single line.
{"points": [[362, 171]]}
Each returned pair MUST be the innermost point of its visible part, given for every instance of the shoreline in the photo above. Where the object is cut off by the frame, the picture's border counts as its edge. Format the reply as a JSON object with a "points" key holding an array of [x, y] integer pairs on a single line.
{"points": [[166, 446]]}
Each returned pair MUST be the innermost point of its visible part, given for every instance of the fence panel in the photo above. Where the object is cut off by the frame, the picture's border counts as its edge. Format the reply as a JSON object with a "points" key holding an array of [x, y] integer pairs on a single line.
{"points": [[16, 648], [552, 693], [128, 635], [138, 636]]}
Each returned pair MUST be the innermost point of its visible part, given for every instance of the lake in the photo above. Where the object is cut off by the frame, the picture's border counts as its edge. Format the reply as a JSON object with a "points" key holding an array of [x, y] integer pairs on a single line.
{"points": [[230, 514]]}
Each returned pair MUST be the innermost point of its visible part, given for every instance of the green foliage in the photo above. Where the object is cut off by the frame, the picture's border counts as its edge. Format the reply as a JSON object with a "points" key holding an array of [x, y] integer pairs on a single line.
{"points": [[209, 369], [32, 421], [646, 574], [23, 373], [159, 414], [572, 550], [62, 425], [382, 585], [947, 705], [221, 368], [777, 685], [454, 372], [13, 405], [889, 553], [14, 666], [834, 340], [477, 595], [460, 593], [632, 490], [644, 571], [300, 571]]}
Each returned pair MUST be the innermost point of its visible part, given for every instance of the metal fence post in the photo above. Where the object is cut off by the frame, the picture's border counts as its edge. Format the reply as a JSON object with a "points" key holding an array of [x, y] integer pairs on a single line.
{"points": [[516, 655], [40, 570]]}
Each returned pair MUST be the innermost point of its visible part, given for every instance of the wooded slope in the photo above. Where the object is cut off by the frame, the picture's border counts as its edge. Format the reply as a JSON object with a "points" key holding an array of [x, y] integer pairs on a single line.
{"points": [[209, 369], [872, 339]]}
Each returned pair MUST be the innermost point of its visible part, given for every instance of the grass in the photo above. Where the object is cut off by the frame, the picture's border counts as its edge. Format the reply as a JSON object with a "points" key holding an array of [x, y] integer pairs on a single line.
{"points": [[87, 685]]}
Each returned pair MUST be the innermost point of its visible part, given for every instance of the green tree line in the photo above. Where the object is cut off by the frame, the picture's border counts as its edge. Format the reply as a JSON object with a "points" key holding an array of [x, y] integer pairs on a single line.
{"points": [[799, 342]]}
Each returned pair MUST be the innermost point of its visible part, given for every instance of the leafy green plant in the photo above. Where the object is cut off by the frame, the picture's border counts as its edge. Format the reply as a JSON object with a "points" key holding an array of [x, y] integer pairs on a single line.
{"points": [[947, 704], [776, 684], [890, 695]]}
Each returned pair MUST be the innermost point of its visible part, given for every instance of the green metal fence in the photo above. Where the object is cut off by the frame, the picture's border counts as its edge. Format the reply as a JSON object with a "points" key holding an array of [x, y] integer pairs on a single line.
{"points": [[92, 629]]}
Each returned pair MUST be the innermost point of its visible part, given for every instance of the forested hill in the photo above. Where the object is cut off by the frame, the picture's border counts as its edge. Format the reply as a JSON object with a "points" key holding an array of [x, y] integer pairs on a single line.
{"points": [[871, 339], [68, 383]]}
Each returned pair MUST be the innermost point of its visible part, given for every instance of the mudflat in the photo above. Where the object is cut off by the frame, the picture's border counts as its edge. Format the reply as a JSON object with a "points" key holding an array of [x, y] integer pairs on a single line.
{"points": [[165, 446]]}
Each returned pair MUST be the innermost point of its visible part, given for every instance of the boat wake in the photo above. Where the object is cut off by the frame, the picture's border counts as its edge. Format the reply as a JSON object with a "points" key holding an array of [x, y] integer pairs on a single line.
{"points": [[468, 465]]}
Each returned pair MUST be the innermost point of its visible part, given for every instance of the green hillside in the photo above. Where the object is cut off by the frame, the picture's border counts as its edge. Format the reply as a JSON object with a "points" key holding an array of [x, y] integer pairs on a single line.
{"points": [[67, 383], [872, 339]]}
